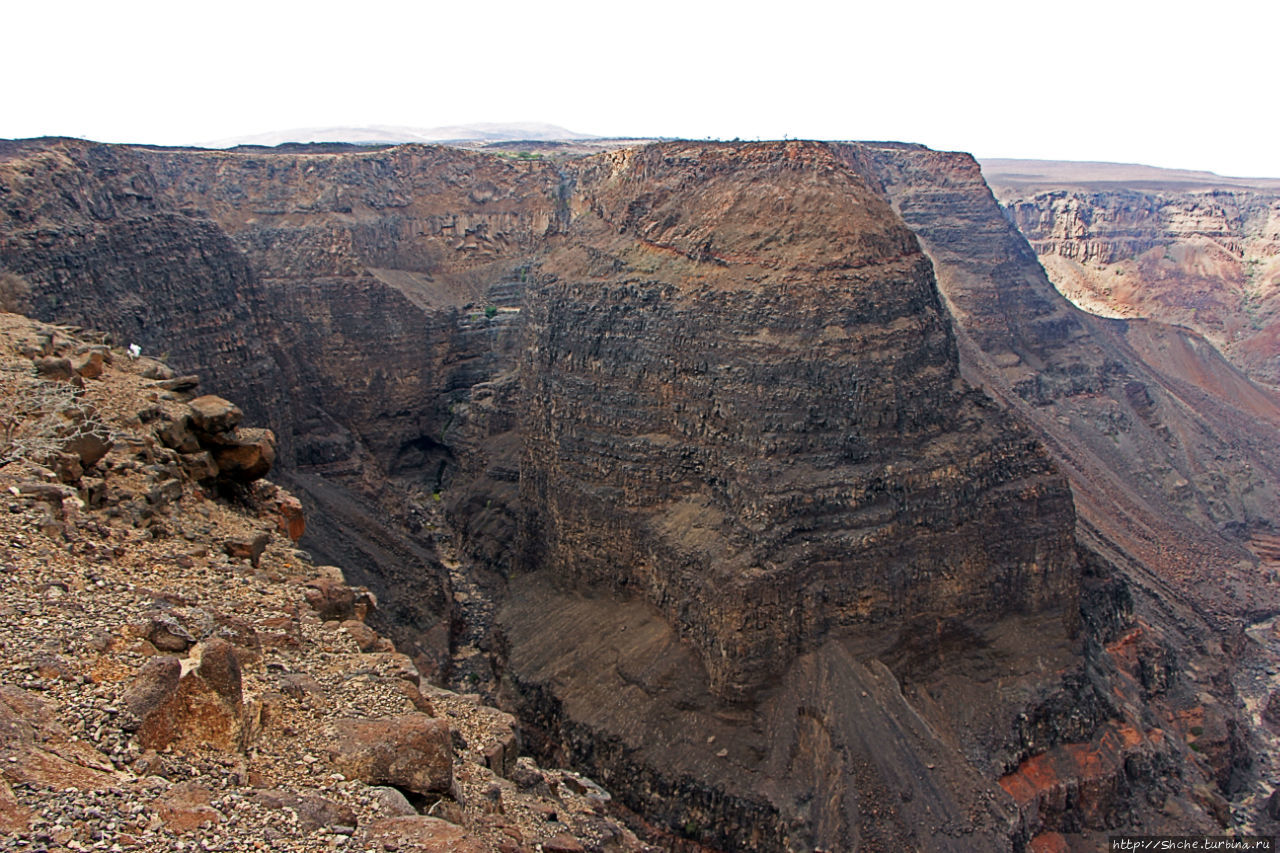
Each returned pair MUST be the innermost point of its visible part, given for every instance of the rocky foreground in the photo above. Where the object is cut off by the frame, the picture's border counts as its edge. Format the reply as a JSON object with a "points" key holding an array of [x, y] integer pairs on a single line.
{"points": [[175, 674]]}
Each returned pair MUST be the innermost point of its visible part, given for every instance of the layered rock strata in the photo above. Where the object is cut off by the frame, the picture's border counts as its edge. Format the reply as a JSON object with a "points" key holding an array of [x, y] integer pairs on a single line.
{"points": [[770, 444], [660, 387], [1171, 453], [1204, 254]]}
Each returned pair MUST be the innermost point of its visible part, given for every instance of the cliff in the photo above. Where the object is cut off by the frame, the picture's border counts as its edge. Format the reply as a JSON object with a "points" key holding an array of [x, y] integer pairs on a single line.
{"points": [[676, 451], [176, 673], [758, 424], [1203, 253], [1171, 453]]}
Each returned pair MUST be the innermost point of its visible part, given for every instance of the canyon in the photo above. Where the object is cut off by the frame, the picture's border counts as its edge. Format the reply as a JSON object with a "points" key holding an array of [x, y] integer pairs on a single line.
{"points": [[772, 485], [1185, 248]]}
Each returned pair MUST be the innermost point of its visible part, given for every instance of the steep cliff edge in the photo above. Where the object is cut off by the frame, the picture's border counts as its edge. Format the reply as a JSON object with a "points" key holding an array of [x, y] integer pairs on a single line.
{"points": [[685, 424], [351, 300], [1172, 457], [754, 418], [1196, 251], [746, 430], [175, 674]]}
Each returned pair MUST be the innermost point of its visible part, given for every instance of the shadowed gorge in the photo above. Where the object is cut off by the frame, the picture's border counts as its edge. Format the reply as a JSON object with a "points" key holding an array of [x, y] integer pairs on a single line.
{"points": [[773, 485]]}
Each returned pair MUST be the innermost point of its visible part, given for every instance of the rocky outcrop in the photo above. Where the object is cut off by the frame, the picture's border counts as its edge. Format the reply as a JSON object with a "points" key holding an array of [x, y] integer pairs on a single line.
{"points": [[158, 693], [769, 444], [710, 395], [1203, 256], [1171, 455]]}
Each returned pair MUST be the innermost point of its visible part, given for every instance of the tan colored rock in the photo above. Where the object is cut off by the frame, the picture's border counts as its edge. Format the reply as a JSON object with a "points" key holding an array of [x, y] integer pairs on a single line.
{"points": [[14, 817], [247, 455], [213, 415], [330, 599], [54, 368], [167, 708], [366, 638], [391, 802], [89, 365], [413, 752], [186, 807], [291, 520], [417, 834], [247, 548]]}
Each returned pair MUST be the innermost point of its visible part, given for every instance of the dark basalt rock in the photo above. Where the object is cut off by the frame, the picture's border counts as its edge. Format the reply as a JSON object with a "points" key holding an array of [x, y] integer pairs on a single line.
{"points": [[776, 446], [732, 531]]}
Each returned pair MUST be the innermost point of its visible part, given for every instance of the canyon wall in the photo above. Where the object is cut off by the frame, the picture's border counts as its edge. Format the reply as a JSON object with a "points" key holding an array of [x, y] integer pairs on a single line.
{"points": [[677, 450], [1172, 456], [1201, 252], [754, 417]]}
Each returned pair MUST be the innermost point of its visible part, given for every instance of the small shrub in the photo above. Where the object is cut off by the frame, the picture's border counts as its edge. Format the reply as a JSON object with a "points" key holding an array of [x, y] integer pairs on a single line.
{"points": [[490, 311], [40, 417]]}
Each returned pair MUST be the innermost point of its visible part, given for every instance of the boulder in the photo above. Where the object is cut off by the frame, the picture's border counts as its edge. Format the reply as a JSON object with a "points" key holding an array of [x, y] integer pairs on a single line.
{"points": [[413, 752], [153, 686], [212, 415], [417, 834], [313, 811], [247, 548], [176, 434], [391, 802], [199, 709], [167, 634], [89, 365], [331, 599], [246, 455], [199, 466], [367, 639], [58, 369]]}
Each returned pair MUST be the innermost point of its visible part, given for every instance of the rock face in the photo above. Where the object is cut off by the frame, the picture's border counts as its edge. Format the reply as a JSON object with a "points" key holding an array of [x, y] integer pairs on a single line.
{"points": [[672, 449], [1201, 252], [1172, 457], [759, 425], [1171, 451]]}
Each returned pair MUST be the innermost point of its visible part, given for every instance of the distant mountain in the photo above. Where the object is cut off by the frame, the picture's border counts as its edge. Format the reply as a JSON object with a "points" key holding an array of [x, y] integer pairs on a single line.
{"points": [[1006, 174], [379, 134]]}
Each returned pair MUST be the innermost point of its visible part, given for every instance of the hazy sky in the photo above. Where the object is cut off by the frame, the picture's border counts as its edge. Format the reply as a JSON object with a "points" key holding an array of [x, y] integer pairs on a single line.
{"points": [[1168, 84]]}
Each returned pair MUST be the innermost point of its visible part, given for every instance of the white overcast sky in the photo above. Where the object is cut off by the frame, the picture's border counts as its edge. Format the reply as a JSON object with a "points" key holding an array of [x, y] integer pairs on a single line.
{"points": [[1175, 84]]}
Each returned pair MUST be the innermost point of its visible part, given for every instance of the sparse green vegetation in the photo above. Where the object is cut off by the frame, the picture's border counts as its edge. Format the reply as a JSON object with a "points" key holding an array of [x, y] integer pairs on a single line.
{"points": [[491, 311]]}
